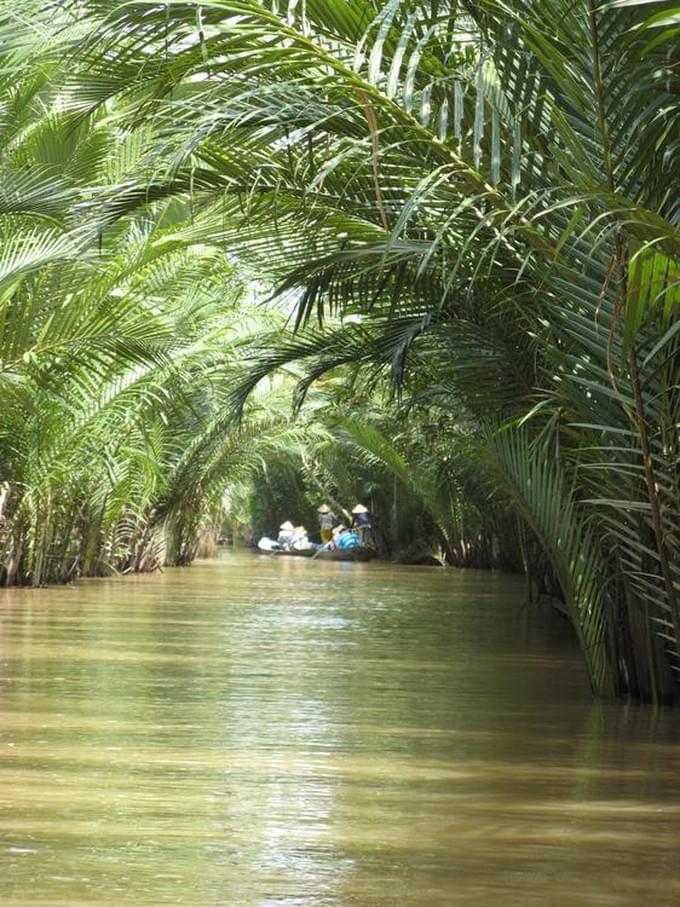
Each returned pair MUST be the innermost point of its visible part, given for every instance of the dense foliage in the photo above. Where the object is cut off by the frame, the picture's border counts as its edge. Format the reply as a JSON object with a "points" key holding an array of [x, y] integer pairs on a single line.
{"points": [[472, 210]]}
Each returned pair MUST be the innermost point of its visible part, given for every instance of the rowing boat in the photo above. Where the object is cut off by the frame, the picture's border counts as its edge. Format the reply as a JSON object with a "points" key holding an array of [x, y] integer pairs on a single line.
{"points": [[355, 554]]}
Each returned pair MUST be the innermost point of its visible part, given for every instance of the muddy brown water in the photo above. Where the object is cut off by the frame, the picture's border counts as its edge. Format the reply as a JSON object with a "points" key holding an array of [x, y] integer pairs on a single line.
{"points": [[280, 733]]}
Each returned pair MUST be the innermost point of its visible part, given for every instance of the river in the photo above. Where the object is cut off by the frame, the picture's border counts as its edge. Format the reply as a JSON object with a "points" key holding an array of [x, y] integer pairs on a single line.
{"points": [[279, 733]]}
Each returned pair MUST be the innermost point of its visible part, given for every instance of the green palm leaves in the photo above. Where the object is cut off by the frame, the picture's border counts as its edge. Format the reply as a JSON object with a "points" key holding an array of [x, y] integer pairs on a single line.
{"points": [[117, 339], [475, 202], [486, 190]]}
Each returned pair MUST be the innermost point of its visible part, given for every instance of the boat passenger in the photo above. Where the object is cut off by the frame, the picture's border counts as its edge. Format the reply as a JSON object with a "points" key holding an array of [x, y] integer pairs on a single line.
{"points": [[335, 535], [361, 521], [347, 540], [327, 520], [300, 540], [286, 534]]}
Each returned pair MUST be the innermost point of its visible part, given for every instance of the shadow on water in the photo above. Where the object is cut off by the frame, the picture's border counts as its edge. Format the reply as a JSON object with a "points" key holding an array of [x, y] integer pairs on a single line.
{"points": [[271, 732]]}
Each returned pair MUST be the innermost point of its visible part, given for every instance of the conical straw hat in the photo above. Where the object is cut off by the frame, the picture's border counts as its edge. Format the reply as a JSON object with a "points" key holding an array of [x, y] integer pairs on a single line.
{"points": [[360, 509], [287, 525], [324, 509]]}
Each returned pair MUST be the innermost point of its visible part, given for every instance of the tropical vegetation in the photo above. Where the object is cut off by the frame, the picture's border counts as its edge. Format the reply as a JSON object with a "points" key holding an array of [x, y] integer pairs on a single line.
{"points": [[422, 251]]}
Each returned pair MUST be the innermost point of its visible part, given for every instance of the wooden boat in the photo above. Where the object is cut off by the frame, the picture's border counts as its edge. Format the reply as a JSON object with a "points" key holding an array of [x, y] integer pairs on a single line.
{"points": [[290, 552], [337, 554]]}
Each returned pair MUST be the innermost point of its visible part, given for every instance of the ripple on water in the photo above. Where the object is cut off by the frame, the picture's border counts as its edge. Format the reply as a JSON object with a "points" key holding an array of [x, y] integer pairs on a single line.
{"points": [[280, 733]]}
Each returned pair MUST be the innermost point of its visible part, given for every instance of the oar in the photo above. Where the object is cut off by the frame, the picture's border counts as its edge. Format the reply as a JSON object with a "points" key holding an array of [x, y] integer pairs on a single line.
{"points": [[322, 548]]}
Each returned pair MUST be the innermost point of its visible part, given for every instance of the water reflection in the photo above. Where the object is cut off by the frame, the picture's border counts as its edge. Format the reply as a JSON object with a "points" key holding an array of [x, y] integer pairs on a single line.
{"points": [[258, 732]]}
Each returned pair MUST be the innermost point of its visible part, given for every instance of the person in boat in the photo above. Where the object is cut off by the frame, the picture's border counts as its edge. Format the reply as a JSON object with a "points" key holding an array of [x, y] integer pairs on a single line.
{"points": [[344, 539], [300, 540], [361, 522], [327, 521], [286, 534], [335, 536]]}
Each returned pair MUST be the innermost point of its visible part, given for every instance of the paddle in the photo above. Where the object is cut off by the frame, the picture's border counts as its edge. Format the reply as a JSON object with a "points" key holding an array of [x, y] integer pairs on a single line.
{"points": [[322, 548]]}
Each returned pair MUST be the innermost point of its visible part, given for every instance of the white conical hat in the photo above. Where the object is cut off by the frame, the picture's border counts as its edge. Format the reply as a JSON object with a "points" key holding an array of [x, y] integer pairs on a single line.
{"points": [[287, 525], [360, 509], [324, 509]]}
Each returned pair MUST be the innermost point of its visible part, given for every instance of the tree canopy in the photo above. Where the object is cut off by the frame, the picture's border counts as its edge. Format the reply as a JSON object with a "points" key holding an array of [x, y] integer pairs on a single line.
{"points": [[424, 251]]}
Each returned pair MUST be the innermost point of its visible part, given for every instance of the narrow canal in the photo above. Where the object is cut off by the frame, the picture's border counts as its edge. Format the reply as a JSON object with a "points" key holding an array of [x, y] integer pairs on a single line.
{"points": [[294, 734]]}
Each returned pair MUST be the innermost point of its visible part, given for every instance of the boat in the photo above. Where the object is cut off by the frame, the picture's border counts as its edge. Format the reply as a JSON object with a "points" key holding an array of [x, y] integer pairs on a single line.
{"points": [[354, 554], [266, 546], [290, 552]]}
